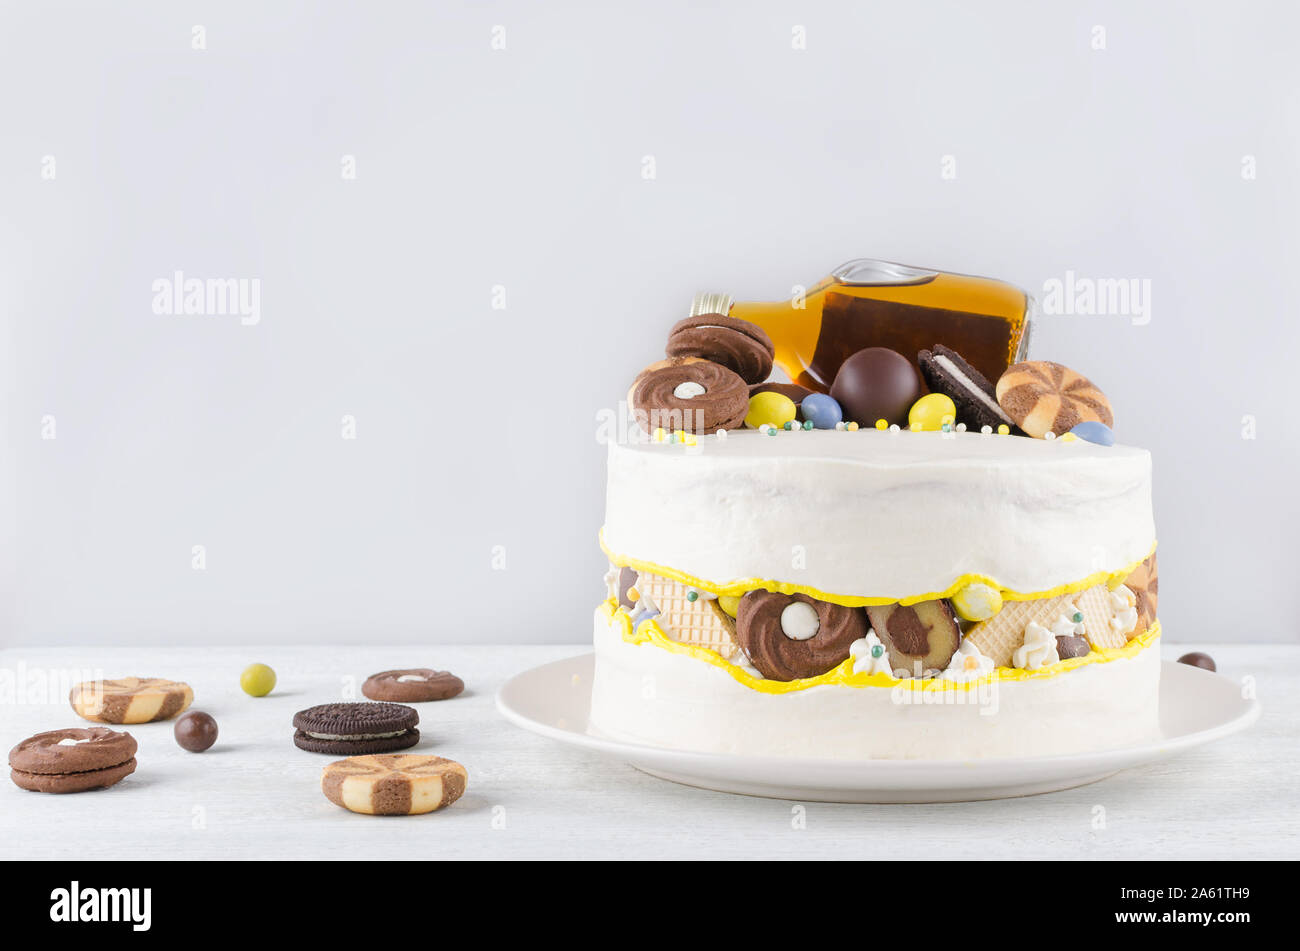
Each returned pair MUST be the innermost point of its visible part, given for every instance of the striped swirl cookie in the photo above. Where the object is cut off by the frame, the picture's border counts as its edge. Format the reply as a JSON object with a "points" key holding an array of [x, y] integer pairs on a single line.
{"points": [[393, 784], [1042, 397], [130, 699]]}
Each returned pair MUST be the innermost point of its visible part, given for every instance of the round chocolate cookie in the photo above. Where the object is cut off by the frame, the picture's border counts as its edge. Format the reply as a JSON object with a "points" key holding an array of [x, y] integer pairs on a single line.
{"points": [[356, 728], [789, 637], [685, 393], [417, 685], [76, 760], [737, 344]]}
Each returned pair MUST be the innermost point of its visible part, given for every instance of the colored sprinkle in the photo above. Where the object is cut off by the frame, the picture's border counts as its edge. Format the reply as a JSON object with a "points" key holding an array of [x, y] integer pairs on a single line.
{"points": [[1078, 616], [789, 425], [852, 427], [772, 430], [807, 424], [877, 650], [692, 596], [1004, 430], [633, 594], [946, 427], [882, 424]]}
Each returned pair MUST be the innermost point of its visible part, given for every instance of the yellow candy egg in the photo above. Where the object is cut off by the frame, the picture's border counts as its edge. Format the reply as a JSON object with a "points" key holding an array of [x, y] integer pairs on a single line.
{"points": [[930, 412], [774, 409], [977, 602], [729, 604]]}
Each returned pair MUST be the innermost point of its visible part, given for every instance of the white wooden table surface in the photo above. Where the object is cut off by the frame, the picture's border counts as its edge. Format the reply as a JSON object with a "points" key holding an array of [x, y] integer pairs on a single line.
{"points": [[255, 795]]}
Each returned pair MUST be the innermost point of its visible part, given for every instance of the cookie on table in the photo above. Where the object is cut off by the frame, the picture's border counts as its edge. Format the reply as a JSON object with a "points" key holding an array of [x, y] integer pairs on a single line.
{"points": [[393, 784], [947, 372], [738, 345], [130, 699], [1041, 397], [417, 685], [68, 761], [350, 729]]}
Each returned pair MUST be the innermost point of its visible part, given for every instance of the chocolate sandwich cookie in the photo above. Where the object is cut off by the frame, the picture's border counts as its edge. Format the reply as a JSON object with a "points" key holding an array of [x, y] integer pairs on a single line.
{"points": [[738, 345], [393, 785], [946, 372], [355, 728], [417, 685], [130, 699], [790, 637], [689, 394], [67, 761]]}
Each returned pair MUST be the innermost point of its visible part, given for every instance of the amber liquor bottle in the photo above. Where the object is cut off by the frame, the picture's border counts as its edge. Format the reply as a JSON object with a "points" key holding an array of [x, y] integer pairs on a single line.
{"points": [[870, 303]]}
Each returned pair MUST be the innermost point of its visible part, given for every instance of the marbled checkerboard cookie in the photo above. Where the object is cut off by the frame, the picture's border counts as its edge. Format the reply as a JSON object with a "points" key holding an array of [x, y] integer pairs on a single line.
{"points": [[130, 699], [393, 784]]}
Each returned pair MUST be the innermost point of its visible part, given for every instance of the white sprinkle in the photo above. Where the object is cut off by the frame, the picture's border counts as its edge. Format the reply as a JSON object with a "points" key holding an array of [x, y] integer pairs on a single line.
{"points": [[986, 430], [721, 434], [1049, 435], [688, 389], [840, 426], [893, 427], [961, 427]]}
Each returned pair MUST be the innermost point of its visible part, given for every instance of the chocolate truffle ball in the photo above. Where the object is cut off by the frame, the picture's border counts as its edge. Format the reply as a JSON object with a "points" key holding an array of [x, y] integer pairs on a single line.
{"points": [[877, 383], [1198, 659], [196, 731]]}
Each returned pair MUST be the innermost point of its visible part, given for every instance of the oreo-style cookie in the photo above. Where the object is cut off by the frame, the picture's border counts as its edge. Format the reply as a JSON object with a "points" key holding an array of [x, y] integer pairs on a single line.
{"points": [[974, 396], [736, 344], [417, 685], [356, 728], [66, 761]]}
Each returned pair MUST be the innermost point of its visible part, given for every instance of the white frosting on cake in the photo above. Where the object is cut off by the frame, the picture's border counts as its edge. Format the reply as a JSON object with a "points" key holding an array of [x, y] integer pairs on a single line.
{"points": [[880, 514], [645, 694]]}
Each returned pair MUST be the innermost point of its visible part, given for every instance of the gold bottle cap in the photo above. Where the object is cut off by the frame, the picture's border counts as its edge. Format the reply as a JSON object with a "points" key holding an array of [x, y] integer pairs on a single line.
{"points": [[710, 302]]}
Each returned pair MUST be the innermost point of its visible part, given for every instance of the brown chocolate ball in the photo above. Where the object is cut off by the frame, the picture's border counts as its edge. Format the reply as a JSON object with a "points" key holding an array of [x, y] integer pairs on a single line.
{"points": [[196, 731], [877, 383], [1197, 659]]}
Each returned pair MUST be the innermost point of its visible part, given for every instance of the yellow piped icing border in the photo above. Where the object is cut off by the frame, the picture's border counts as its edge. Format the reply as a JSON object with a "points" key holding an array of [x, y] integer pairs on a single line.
{"points": [[737, 588], [649, 632]]}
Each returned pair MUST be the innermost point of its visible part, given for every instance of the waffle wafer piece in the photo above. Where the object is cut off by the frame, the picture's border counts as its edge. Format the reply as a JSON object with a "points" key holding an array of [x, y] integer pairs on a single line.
{"points": [[1001, 634], [393, 784], [130, 699], [1094, 603], [700, 623]]}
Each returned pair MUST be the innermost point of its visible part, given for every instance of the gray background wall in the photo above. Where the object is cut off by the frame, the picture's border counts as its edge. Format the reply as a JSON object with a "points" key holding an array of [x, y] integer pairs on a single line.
{"points": [[523, 167]]}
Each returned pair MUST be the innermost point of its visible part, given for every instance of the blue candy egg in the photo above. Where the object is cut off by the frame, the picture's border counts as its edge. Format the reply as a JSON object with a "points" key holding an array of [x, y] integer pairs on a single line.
{"points": [[1094, 432], [821, 410]]}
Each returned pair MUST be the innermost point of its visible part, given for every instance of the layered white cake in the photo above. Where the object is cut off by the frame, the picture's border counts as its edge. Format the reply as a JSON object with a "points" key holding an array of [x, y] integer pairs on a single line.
{"points": [[743, 564]]}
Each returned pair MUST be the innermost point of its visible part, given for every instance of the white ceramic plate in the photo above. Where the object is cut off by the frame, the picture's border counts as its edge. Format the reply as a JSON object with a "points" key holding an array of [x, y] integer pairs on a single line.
{"points": [[1196, 706]]}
